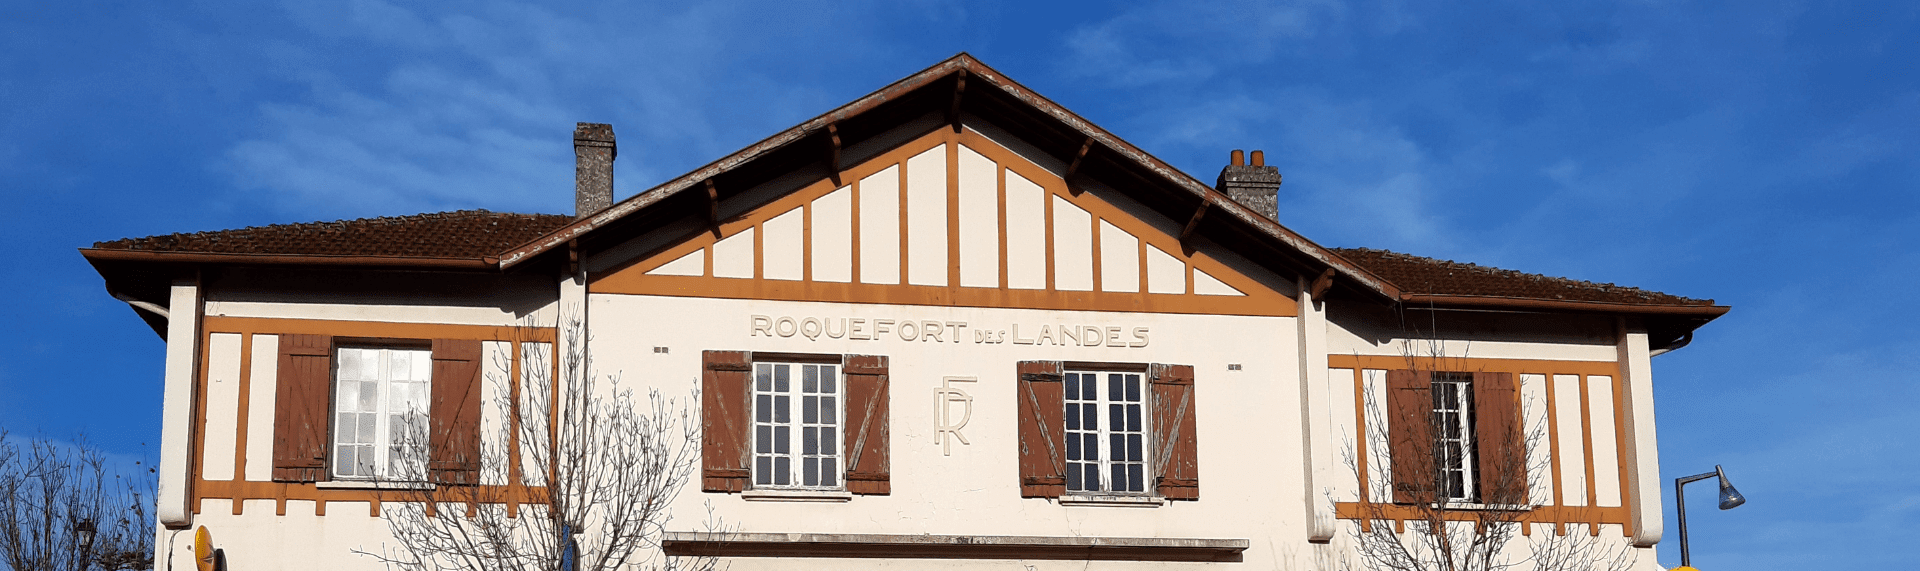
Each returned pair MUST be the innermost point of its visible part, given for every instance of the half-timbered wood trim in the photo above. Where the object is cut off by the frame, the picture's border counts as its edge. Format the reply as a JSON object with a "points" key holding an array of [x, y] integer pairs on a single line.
{"points": [[1472, 364], [1257, 300], [1558, 512], [242, 413], [1536, 515], [239, 491], [376, 329]]}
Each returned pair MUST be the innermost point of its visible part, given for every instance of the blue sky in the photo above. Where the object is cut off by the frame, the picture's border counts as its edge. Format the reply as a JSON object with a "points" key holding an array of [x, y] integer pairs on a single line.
{"points": [[1762, 153]]}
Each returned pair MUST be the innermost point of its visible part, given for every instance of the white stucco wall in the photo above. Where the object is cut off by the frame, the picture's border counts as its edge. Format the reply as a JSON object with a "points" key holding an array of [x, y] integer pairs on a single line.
{"points": [[1248, 421]]}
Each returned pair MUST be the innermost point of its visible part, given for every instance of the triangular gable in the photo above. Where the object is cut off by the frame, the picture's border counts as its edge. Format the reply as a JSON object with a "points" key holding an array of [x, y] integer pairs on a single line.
{"points": [[944, 89], [947, 219]]}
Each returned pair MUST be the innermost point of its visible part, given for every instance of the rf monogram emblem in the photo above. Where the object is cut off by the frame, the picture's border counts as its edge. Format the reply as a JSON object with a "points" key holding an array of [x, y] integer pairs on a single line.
{"points": [[946, 398]]}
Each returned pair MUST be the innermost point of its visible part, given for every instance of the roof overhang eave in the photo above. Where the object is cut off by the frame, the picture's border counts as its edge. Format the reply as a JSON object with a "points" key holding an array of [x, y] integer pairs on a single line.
{"points": [[476, 264]]}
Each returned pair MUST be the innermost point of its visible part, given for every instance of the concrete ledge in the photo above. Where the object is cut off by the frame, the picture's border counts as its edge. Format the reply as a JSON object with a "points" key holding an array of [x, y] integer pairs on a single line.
{"points": [[893, 546]]}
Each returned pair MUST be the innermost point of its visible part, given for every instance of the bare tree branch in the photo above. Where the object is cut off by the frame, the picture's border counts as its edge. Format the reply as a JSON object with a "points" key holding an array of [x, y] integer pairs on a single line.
{"points": [[600, 469]]}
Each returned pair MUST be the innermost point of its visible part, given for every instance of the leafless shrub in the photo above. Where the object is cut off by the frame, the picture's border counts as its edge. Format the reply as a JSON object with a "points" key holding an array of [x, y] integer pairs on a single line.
{"points": [[598, 487], [50, 491]]}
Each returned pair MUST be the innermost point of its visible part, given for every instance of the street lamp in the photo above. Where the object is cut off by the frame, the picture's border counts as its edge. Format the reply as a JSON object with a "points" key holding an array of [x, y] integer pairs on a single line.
{"points": [[1729, 499], [83, 531]]}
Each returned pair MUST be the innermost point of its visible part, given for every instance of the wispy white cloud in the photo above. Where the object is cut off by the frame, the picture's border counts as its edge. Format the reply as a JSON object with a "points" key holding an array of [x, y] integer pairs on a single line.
{"points": [[475, 109]]}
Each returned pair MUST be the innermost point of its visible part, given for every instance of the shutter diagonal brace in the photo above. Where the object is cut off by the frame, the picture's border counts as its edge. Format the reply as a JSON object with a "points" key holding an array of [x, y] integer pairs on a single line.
{"points": [[1053, 452], [860, 442], [1173, 435]]}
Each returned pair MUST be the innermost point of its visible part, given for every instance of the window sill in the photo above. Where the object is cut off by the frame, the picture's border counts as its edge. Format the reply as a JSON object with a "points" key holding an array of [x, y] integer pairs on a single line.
{"points": [[1111, 501], [371, 485], [829, 496]]}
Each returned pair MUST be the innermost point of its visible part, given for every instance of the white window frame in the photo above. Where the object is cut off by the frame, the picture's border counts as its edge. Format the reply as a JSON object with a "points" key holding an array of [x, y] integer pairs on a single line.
{"points": [[764, 439], [350, 399], [1103, 403], [1454, 439]]}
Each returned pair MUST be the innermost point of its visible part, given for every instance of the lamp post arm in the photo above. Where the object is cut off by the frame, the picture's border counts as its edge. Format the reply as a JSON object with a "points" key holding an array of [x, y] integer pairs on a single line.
{"points": [[1680, 501]]}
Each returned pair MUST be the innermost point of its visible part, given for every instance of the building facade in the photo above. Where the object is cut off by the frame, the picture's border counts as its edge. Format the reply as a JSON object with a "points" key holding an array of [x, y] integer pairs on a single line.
{"points": [[948, 323]]}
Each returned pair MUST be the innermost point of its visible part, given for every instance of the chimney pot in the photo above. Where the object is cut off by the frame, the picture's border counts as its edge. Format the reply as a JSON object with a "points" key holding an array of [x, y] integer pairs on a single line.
{"points": [[593, 153], [1254, 186], [1239, 157]]}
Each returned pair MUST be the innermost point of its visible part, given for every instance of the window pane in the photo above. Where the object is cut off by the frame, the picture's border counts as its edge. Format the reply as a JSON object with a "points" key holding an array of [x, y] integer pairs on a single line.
{"points": [[400, 365], [1090, 416], [343, 461], [343, 428], [1116, 386], [763, 377], [1118, 444], [763, 439], [1073, 417], [1133, 448], [1133, 388], [1136, 478], [1073, 475], [782, 471], [1073, 386], [349, 365], [1133, 418], [810, 410], [1092, 477], [369, 396], [367, 430], [810, 472], [780, 374], [809, 441], [829, 472], [1073, 448], [827, 441], [781, 436], [349, 395], [781, 412], [364, 459], [763, 470], [1116, 417], [1092, 446], [827, 410], [763, 408]]}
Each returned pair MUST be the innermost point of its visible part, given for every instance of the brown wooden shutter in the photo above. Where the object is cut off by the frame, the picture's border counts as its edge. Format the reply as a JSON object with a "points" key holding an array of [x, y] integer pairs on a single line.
{"points": [[454, 413], [1175, 439], [867, 425], [1501, 448], [724, 452], [1410, 435], [1043, 432], [301, 407]]}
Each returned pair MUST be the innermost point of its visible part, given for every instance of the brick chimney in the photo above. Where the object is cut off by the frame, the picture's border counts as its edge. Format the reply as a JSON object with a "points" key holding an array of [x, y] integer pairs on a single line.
{"points": [[1255, 186], [593, 153]]}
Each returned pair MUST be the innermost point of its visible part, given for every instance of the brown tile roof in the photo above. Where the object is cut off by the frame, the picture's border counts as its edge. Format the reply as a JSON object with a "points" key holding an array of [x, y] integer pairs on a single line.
{"points": [[480, 233], [459, 234], [1428, 276]]}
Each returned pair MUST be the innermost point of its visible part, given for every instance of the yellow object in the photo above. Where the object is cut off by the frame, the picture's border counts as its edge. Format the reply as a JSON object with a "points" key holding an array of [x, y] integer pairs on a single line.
{"points": [[203, 549], [1683, 568]]}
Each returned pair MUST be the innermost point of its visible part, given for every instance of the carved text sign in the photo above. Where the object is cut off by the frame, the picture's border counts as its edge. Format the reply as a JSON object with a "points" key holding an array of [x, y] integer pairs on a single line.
{"points": [[931, 331]]}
